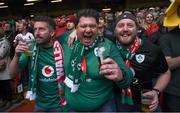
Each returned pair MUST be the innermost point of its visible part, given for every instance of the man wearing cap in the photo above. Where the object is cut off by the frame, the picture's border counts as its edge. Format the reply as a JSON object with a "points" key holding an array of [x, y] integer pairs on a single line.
{"points": [[71, 22], [145, 59]]}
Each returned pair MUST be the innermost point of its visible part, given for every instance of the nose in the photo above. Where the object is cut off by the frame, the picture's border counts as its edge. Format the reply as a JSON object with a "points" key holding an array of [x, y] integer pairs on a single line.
{"points": [[125, 28], [36, 32], [87, 29]]}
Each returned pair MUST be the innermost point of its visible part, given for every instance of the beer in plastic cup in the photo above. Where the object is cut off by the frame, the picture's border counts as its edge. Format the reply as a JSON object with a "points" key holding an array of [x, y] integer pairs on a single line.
{"points": [[145, 101]]}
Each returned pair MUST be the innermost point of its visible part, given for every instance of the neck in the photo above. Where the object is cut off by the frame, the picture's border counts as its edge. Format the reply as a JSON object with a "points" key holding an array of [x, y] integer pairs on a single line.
{"points": [[71, 29], [149, 24], [24, 32], [101, 29]]}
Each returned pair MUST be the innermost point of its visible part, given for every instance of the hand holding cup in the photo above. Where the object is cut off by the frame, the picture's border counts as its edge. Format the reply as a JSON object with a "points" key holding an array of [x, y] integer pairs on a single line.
{"points": [[146, 100]]}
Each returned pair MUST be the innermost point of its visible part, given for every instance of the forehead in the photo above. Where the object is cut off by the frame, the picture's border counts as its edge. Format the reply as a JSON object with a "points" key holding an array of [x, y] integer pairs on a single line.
{"points": [[7, 25], [84, 20], [125, 21], [41, 24], [149, 15]]}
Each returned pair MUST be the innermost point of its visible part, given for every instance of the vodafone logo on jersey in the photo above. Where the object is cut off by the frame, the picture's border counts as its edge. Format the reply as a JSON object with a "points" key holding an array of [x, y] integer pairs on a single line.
{"points": [[47, 71]]}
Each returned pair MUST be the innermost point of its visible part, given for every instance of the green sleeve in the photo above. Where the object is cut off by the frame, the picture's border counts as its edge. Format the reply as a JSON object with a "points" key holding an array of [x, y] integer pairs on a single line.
{"points": [[126, 80], [23, 61], [128, 75], [63, 39]]}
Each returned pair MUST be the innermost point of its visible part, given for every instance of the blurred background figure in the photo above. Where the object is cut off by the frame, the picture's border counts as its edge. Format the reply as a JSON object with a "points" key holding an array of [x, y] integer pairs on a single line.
{"points": [[171, 48], [149, 24], [5, 87], [60, 25], [101, 26], [109, 26], [10, 34], [71, 22]]}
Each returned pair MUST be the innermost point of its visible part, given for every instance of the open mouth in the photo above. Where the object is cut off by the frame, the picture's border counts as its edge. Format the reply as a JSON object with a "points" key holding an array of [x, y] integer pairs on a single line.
{"points": [[125, 35], [87, 36], [87, 39]]}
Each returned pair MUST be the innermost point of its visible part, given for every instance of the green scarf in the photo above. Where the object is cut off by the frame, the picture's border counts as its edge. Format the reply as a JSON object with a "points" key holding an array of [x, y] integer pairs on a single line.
{"points": [[128, 54], [31, 93], [75, 73]]}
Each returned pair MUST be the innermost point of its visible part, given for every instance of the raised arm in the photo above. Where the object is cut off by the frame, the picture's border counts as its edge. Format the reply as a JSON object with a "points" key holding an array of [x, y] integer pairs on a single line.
{"points": [[14, 67]]}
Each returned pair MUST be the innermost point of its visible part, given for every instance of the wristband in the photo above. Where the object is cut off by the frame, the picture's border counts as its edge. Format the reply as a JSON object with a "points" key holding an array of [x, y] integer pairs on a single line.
{"points": [[157, 91]]}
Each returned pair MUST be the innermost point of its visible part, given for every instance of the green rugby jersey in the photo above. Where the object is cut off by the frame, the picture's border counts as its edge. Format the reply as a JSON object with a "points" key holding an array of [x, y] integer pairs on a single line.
{"points": [[47, 86], [96, 89]]}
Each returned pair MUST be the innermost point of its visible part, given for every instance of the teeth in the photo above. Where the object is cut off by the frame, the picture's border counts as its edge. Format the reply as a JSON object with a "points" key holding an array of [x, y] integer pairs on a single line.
{"points": [[124, 35]]}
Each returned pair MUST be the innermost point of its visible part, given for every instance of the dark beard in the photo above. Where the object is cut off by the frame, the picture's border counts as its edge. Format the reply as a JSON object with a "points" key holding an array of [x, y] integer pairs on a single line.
{"points": [[128, 45], [48, 39], [132, 41]]}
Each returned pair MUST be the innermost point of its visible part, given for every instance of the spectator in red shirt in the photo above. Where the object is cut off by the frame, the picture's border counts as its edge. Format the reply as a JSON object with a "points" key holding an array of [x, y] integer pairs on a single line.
{"points": [[150, 25]]}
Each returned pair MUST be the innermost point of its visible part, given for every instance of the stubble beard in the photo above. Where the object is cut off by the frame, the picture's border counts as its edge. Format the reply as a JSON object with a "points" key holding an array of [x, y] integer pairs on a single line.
{"points": [[46, 41]]}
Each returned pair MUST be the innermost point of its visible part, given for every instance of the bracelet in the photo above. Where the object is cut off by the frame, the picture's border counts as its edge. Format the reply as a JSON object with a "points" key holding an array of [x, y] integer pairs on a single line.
{"points": [[157, 91]]}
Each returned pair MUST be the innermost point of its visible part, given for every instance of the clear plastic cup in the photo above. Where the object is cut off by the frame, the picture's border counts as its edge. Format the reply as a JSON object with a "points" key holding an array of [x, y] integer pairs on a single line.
{"points": [[29, 52], [145, 101]]}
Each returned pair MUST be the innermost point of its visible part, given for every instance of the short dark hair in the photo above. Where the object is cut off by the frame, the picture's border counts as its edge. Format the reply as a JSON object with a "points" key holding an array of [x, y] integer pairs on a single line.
{"points": [[47, 19], [87, 13]]}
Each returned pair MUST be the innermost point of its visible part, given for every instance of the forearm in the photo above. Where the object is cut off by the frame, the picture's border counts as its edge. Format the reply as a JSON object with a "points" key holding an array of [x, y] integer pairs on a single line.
{"points": [[13, 66], [173, 63], [163, 81], [126, 81]]}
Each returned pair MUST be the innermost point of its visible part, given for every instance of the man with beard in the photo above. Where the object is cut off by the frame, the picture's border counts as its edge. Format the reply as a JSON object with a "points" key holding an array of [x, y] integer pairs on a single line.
{"points": [[92, 67], [147, 61], [45, 67]]}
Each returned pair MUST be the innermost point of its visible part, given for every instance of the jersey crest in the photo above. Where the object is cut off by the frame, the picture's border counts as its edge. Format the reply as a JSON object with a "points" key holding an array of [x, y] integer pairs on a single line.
{"points": [[140, 58]]}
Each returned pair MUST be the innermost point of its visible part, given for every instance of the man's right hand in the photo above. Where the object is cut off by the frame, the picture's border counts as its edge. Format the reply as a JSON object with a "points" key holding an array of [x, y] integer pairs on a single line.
{"points": [[21, 47]]}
